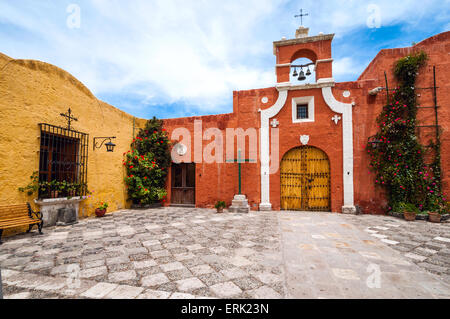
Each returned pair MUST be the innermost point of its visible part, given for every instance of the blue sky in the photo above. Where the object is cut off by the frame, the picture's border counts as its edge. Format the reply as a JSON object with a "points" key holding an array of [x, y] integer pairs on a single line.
{"points": [[182, 58]]}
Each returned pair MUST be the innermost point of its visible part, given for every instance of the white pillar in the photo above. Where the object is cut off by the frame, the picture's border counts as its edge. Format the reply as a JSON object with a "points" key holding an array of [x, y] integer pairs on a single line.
{"points": [[266, 115], [347, 146]]}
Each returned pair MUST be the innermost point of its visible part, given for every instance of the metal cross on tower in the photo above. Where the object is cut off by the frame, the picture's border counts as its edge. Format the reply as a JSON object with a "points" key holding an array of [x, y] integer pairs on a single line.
{"points": [[69, 117], [240, 160], [301, 15]]}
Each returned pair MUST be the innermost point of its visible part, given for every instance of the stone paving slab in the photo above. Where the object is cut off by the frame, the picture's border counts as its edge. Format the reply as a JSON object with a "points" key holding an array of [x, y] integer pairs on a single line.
{"points": [[425, 244], [183, 253], [338, 257]]}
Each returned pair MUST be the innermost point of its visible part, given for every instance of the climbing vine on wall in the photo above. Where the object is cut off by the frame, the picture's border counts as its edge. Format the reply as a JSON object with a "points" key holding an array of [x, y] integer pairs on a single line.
{"points": [[147, 164], [397, 157]]}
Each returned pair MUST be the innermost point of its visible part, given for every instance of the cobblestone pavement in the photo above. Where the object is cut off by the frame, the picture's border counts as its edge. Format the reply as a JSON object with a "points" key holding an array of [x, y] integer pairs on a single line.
{"points": [[195, 253], [424, 243]]}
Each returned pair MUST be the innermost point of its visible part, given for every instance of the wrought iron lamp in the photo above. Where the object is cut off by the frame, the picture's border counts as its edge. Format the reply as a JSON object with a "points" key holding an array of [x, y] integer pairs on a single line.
{"points": [[109, 146]]}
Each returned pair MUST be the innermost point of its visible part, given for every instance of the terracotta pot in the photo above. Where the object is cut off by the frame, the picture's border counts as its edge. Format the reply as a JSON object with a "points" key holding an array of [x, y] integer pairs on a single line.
{"points": [[220, 210], [434, 217], [409, 216], [100, 212]]}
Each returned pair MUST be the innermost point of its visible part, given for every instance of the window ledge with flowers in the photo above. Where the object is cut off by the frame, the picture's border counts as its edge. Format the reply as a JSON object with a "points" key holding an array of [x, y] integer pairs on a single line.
{"points": [[55, 196]]}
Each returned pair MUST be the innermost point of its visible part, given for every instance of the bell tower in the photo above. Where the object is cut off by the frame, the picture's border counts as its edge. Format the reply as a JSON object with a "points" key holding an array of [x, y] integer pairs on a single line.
{"points": [[315, 48]]}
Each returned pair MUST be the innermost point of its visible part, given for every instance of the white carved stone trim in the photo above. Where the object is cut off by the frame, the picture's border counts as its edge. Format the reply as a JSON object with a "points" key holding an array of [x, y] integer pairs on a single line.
{"points": [[303, 100], [335, 106], [322, 61], [306, 86], [326, 81], [283, 86], [304, 139], [347, 145], [283, 65], [336, 118], [264, 136]]}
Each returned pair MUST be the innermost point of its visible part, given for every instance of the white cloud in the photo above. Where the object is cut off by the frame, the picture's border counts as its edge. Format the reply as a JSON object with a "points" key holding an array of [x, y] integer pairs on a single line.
{"points": [[191, 52], [346, 66]]}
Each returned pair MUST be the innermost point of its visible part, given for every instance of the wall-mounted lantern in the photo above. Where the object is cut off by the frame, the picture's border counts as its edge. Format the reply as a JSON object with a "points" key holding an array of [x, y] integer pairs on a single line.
{"points": [[109, 146], [375, 142]]}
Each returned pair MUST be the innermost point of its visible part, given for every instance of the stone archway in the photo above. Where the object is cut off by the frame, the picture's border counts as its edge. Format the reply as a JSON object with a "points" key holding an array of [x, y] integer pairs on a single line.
{"points": [[305, 180]]}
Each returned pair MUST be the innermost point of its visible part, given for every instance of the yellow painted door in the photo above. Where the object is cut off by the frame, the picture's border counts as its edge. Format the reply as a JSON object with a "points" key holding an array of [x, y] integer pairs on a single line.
{"points": [[305, 180]]}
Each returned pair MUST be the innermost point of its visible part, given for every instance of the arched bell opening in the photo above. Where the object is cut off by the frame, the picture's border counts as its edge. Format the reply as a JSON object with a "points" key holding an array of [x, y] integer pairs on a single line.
{"points": [[303, 71]]}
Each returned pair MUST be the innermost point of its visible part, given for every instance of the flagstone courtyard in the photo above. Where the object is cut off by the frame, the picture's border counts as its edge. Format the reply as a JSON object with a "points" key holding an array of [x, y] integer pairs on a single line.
{"points": [[195, 253]]}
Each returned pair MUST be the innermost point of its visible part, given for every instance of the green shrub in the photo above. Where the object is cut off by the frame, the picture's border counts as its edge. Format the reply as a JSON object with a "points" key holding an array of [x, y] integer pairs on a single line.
{"points": [[147, 164], [397, 157]]}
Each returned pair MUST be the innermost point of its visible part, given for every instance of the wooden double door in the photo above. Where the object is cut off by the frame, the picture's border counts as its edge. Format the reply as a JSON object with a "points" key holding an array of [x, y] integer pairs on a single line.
{"points": [[305, 180], [183, 184]]}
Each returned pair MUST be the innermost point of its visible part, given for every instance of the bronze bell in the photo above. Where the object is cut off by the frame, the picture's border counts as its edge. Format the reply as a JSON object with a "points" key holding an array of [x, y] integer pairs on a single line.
{"points": [[295, 74], [302, 76], [308, 73]]}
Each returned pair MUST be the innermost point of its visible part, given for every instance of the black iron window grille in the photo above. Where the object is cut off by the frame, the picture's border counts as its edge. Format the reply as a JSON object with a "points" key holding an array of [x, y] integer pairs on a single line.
{"points": [[302, 111], [63, 161]]}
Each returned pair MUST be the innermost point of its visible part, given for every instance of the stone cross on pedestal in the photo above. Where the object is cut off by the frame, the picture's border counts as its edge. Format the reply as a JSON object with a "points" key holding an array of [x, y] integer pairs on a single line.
{"points": [[274, 123], [336, 119], [240, 202]]}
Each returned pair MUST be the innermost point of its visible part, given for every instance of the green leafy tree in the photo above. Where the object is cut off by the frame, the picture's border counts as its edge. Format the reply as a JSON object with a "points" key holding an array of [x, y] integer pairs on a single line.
{"points": [[147, 164], [397, 157]]}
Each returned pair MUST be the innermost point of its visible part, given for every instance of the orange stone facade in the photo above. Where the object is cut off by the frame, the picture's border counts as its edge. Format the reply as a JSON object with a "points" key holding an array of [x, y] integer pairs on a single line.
{"points": [[344, 118]]}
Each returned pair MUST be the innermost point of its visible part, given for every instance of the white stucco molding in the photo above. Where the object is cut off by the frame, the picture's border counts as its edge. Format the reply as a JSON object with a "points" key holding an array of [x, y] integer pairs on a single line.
{"points": [[303, 100], [264, 136], [346, 110]]}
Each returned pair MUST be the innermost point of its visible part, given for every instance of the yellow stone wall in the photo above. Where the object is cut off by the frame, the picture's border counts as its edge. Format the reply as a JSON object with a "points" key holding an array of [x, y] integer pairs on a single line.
{"points": [[33, 92]]}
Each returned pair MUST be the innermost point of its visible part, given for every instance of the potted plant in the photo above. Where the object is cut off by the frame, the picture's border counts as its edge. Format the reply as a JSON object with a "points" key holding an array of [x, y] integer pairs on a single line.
{"points": [[409, 211], [436, 209], [72, 190], [220, 205], [44, 189], [63, 188], [434, 217], [54, 189], [100, 211]]}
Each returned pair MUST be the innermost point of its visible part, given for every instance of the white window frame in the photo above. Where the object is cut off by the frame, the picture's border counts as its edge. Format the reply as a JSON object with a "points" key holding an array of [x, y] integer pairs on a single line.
{"points": [[303, 100]]}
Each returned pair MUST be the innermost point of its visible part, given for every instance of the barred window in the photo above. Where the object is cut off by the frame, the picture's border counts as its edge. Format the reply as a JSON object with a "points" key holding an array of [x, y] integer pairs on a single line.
{"points": [[63, 158], [302, 111]]}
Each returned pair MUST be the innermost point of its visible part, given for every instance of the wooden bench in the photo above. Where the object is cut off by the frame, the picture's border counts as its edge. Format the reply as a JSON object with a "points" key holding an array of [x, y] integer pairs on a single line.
{"points": [[19, 215]]}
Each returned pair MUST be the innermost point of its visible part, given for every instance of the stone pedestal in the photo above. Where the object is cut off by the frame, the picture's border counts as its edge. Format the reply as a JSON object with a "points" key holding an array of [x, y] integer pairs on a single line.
{"points": [[265, 207], [349, 210], [51, 209], [239, 205]]}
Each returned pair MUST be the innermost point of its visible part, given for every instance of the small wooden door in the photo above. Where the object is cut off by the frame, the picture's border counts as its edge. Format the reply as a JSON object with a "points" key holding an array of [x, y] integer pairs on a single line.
{"points": [[183, 184], [305, 180]]}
